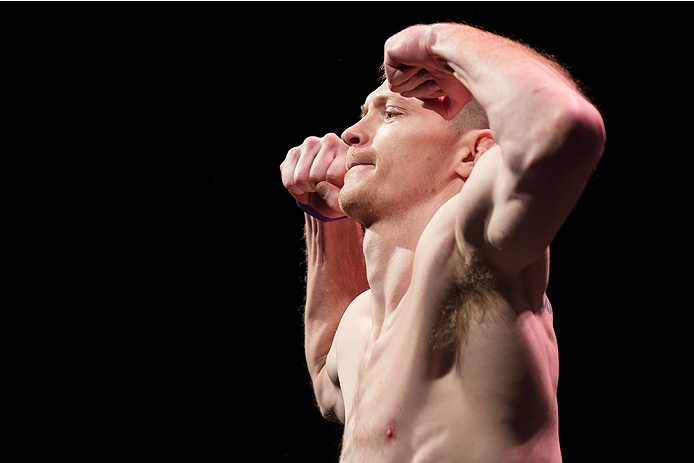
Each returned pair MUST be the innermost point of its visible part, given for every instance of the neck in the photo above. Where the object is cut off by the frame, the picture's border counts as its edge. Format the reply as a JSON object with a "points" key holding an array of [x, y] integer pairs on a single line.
{"points": [[389, 255], [389, 247]]}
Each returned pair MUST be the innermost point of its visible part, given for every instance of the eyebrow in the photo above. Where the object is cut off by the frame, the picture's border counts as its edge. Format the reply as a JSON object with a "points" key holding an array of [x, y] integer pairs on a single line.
{"points": [[377, 100]]}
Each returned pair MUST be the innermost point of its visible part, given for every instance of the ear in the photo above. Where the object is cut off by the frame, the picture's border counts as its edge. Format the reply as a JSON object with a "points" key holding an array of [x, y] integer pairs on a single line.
{"points": [[465, 164], [481, 142]]}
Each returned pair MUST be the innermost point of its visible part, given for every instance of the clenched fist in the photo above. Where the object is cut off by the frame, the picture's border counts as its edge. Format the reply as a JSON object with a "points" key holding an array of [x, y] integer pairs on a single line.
{"points": [[415, 68], [314, 173]]}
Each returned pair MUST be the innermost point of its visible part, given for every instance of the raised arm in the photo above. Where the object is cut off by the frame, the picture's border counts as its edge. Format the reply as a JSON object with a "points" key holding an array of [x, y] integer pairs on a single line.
{"points": [[336, 274], [549, 136]]}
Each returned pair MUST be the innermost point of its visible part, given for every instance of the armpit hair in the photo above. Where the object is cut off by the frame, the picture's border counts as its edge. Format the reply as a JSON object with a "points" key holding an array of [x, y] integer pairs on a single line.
{"points": [[471, 291]]}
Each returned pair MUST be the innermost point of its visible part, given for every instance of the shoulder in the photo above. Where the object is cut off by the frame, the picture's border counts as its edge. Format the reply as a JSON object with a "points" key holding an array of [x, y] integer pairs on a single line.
{"points": [[356, 318], [451, 250], [439, 260], [441, 250], [362, 300]]}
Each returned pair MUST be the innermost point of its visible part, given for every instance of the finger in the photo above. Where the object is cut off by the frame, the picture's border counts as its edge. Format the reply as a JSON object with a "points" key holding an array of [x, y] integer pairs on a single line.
{"points": [[287, 168], [426, 89], [415, 81], [329, 146], [433, 96], [397, 73], [330, 194], [307, 153], [337, 170]]}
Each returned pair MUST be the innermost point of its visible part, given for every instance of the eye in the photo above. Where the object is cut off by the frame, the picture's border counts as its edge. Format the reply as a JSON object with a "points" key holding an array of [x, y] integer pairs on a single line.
{"points": [[390, 113]]}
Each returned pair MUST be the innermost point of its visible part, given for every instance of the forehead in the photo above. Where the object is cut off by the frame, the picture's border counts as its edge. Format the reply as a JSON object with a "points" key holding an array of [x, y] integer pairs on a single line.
{"points": [[381, 96], [380, 92]]}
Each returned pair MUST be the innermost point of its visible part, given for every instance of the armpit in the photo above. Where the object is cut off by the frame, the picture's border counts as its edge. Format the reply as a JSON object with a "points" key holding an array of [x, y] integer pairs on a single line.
{"points": [[471, 289]]}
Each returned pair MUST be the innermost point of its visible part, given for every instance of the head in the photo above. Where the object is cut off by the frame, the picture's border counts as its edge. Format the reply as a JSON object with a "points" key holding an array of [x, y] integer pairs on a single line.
{"points": [[403, 157]]}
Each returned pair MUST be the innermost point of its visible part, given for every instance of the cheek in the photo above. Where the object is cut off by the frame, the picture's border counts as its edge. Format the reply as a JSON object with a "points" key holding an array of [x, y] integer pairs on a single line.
{"points": [[393, 146], [412, 153], [410, 162]]}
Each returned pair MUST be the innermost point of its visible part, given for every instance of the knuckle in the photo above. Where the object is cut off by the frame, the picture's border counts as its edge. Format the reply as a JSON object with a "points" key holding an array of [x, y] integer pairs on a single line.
{"points": [[332, 141], [292, 154], [310, 142], [330, 137]]}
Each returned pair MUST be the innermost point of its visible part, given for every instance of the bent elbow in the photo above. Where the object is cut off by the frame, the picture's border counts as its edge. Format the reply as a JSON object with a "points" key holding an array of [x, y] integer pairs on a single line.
{"points": [[567, 131], [330, 414], [581, 129], [328, 398]]}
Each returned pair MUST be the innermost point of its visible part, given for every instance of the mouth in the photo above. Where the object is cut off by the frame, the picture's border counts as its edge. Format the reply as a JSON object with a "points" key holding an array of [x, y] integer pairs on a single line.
{"points": [[357, 159], [352, 165]]}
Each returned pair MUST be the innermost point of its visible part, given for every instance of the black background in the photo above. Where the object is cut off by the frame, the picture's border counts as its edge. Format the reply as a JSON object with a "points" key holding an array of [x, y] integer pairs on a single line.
{"points": [[155, 260]]}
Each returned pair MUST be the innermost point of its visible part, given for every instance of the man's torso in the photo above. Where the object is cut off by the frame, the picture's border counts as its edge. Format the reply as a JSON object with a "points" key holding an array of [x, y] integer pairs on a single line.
{"points": [[465, 369]]}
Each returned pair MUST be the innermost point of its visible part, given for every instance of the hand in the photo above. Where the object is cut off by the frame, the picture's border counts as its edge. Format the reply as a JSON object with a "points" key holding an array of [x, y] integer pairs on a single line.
{"points": [[314, 173], [414, 69]]}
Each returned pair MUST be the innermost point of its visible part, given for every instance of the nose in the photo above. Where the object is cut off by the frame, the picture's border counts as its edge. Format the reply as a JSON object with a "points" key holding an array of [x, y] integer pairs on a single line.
{"points": [[354, 135]]}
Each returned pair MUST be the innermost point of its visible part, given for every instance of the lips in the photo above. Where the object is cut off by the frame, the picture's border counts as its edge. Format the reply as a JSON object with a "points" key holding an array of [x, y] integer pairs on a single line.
{"points": [[358, 159], [358, 164]]}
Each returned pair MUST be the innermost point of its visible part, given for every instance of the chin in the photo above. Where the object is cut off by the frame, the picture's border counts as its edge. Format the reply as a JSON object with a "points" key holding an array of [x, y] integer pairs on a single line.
{"points": [[360, 202]]}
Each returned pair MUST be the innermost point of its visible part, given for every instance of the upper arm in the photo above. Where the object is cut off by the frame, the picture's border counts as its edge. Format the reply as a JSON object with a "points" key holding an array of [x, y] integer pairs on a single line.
{"points": [[519, 194], [326, 387], [335, 380]]}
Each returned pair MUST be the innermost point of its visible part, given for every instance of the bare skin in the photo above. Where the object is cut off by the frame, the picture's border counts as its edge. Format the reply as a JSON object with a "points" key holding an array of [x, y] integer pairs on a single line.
{"points": [[431, 337]]}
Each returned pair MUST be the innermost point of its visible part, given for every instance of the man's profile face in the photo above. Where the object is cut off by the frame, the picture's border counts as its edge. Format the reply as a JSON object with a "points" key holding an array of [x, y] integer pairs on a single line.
{"points": [[399, 155]]}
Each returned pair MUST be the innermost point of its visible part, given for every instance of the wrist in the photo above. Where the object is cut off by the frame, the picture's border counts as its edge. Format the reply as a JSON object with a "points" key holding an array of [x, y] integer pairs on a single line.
{"points": [[314, 213]]}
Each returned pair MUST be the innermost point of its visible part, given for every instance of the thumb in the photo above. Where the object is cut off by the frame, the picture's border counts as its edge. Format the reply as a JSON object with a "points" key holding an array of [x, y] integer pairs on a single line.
{"points": [[329, 193]]}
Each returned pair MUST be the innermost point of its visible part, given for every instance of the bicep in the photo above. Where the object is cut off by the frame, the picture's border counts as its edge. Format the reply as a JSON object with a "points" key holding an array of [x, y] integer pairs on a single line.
{"points": [[326, 386], [334, 380]]}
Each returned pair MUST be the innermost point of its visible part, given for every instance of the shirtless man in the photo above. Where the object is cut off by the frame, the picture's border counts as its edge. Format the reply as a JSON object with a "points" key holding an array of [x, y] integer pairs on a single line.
{"points": [[429, 334]]}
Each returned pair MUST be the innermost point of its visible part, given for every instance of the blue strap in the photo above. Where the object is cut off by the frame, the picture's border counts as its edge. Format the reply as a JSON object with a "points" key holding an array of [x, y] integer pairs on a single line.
{"points": [[314, 213]]}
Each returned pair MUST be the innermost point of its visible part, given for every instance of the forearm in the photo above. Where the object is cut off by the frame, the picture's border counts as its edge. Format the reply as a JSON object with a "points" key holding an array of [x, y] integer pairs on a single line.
{"points": [[336, 275], [530, 101], [550, 140]]}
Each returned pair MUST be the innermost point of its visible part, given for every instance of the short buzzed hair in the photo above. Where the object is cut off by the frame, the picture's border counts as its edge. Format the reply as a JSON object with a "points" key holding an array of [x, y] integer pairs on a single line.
{"points": [[471, 117]]}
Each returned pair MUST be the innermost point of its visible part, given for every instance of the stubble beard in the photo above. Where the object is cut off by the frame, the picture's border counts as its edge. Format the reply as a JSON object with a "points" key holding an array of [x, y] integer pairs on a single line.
{"points": [[360, 203], [367, 201]]}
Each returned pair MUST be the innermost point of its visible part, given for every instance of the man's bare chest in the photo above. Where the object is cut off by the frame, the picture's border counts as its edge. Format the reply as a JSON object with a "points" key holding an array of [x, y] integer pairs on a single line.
{"points": [[399, 407], [411, 397], [418, 341]]}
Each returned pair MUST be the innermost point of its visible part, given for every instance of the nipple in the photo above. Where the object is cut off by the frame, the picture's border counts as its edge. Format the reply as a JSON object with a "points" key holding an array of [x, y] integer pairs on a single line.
{"points": [[390, 431]]}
